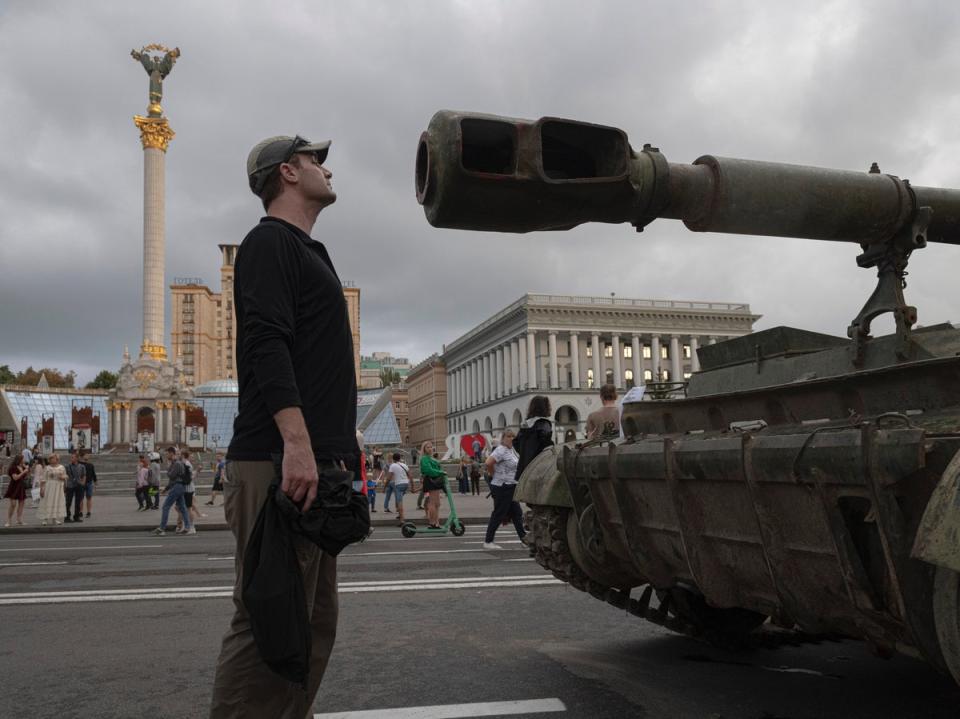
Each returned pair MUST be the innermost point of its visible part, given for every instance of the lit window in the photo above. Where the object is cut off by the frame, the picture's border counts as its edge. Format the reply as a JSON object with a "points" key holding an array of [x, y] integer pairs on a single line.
{"points": [[647, 353], [664, 353], [627, 352], [609, 376], [607, 350], [648, 375], [687, 375], [686, 351], [666, 375], [589, 379], [628, 377], [589, 350]]}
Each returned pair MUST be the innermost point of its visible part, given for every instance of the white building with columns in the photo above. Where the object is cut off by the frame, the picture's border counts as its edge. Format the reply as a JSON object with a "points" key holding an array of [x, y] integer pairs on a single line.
{"points": [[566, 347]]}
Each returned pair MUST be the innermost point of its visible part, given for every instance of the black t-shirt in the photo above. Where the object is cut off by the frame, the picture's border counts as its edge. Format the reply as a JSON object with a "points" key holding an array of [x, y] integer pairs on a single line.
{"points": [[294, 344]]}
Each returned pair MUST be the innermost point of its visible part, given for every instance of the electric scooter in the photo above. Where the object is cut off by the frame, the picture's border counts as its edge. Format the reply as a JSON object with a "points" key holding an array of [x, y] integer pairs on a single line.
{"points": [[453, 524]]}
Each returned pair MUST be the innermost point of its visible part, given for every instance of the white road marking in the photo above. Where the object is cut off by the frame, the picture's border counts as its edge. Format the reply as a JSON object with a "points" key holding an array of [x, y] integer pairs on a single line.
{"points": [[27, 564], [455, 711], [469, 585], [525, 559], [445, 579], [122, 595], [383, 554], [67, 549]]}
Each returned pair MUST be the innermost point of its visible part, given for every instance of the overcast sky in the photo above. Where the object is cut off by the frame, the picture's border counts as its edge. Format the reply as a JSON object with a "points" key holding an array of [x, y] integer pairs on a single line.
{"points": [[836, 84]]}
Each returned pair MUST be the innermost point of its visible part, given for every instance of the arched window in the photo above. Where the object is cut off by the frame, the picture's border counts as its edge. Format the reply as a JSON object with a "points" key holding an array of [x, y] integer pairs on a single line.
{"points": [[608, 377], [589, 379], [648, 375], [628, 378]]}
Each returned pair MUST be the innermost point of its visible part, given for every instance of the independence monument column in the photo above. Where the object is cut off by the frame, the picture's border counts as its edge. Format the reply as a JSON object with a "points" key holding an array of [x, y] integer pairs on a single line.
{"points": [[155, 135]]}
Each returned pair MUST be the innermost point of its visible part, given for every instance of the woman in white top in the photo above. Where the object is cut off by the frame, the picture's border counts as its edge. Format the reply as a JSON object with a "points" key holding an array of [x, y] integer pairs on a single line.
{"points": [[51, 492], [502, 467]]}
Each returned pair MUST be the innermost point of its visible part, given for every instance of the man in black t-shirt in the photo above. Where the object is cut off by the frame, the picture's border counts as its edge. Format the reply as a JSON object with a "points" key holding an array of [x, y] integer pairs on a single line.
{"points": [[297, 396]]}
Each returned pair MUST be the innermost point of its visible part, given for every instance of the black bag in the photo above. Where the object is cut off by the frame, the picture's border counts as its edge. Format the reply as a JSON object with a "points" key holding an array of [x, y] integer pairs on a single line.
{"points": [[339, 516], [273, 594], [432, 484], [531, 441]]}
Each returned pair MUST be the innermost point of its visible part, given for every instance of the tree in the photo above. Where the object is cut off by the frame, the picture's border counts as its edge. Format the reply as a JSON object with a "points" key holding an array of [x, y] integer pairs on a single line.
{"points": [[30, 377], [104, 380], [388, 377], [6, 375]]}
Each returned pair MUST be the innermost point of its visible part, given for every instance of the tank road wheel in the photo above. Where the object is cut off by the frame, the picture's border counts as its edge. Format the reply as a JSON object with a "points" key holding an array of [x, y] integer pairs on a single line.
{"points": [[408, 529], [458, 529], [946, 617]]}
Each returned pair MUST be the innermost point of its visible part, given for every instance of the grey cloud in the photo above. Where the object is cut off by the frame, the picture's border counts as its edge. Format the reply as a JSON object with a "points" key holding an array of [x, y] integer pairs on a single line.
{"points": [[836, 84]]}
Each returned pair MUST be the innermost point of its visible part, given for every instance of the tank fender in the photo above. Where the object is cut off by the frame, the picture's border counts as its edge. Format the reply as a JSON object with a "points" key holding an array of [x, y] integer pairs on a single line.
{"points": [[542, 483], [938, 537]]}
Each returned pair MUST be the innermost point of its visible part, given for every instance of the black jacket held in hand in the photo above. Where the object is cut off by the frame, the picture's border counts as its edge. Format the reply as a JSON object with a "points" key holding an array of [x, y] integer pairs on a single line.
{"points": [[272, 583], [273, 595]]}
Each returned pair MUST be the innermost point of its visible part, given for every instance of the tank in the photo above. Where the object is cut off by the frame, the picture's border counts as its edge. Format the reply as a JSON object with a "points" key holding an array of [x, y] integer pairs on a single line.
{"points": [[800, 485]]}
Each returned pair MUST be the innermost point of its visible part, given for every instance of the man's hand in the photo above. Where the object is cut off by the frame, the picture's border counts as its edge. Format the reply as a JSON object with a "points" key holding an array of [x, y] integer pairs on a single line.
{"points": [[299, 474], [299, 466]]}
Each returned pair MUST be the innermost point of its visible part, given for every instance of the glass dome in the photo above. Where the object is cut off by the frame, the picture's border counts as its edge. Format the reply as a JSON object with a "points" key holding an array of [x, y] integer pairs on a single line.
{"points": [[216, 386]]}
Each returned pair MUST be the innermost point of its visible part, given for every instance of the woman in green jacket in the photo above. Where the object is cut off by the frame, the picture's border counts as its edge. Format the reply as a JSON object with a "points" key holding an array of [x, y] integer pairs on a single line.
{"points": [[431, 474]]}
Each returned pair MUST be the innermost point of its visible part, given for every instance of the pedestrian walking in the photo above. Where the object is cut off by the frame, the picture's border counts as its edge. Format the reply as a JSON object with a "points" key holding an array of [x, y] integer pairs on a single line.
{"points": [[502, 465], [474, 478], [298, 398], [177, 480], [153, 478], [91, 480], [37, 467], [142, 491], [398, 484], [189, 490], [27, 456], [372, 492], [52, 491], [18, 472], [217, 479], [475, 446], [463, 475], [74, 488]]}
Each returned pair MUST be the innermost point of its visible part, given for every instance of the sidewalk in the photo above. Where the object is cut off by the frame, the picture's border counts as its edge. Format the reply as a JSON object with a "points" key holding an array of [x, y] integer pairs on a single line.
{"points": [[119, 514]]}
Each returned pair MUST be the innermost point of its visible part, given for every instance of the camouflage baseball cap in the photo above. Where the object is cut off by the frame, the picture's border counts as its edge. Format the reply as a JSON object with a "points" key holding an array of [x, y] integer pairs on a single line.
{"points": [[268, 154]]}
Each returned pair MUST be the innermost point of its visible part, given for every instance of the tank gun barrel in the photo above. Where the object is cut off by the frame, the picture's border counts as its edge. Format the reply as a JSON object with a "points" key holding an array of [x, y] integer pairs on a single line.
{"points": [[485, 172]]}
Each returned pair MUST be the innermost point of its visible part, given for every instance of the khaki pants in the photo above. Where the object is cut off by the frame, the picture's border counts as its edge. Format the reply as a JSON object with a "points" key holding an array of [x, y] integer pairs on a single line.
{"points": [[244, 686]]}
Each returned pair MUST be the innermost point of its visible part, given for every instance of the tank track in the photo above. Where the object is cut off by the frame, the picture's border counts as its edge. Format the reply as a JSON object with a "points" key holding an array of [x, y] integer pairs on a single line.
{"points": [[551, 551]]}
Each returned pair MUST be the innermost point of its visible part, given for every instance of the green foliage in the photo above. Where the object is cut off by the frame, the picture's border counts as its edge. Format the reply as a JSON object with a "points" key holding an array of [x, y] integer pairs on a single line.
{"points": [[6, 375], [30, 377], [388, 377], [104, 380]]}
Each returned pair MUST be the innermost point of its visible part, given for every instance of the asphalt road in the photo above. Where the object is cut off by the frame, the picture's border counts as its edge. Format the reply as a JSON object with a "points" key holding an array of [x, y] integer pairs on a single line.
{"points": [[124, 625]]}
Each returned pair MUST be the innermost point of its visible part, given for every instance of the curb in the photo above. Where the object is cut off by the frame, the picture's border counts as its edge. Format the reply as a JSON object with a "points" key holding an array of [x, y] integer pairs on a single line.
{"points": [[207, 526]]}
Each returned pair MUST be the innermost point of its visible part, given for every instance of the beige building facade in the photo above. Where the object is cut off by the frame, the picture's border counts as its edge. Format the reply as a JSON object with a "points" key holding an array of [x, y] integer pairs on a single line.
{"points": [[351, 294], [204, 324], [567, 346], [427, 403]]}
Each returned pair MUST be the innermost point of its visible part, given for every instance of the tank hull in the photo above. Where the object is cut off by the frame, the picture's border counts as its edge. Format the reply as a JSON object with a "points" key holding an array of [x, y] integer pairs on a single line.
{"points": [[810, 522]]}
